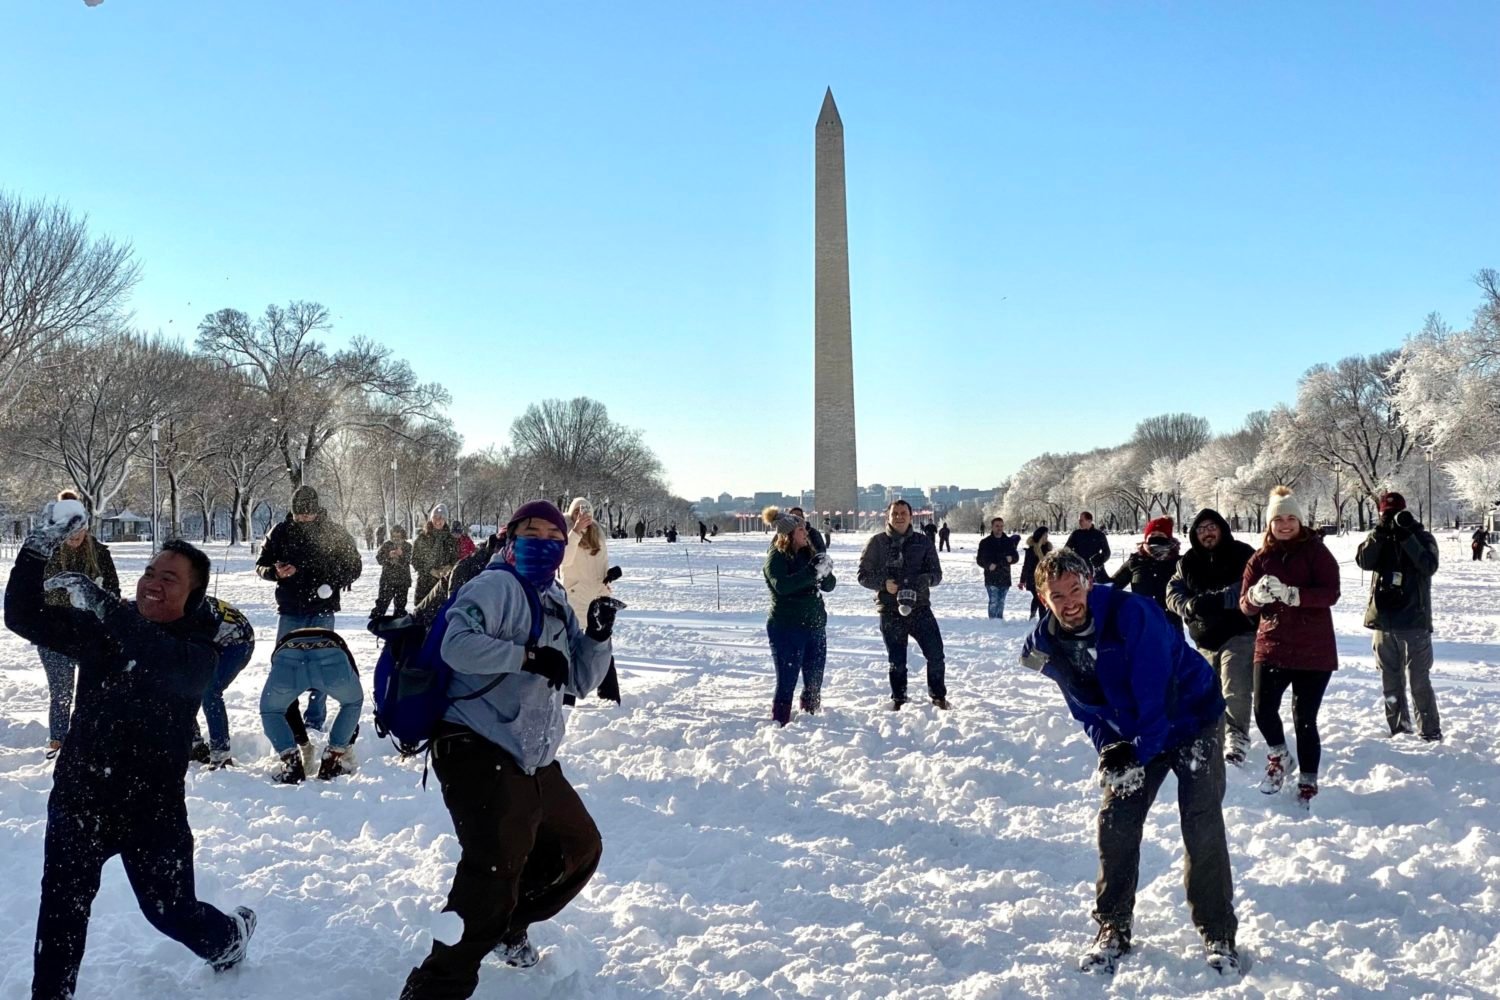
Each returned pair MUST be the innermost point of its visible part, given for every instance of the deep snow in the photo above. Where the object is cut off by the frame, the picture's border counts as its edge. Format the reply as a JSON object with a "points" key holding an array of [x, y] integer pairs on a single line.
{"points": [[859, 853]]}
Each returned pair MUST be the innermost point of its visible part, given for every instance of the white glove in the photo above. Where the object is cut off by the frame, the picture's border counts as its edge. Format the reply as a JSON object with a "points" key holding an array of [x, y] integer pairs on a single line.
{"points": [[1286, 593], [1261, 593], [822, 565], [59, 520], [83, 593]]}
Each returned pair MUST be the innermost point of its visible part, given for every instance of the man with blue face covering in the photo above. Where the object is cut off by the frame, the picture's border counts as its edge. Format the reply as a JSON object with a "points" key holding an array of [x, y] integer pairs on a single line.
{"points": [[528, 844]]}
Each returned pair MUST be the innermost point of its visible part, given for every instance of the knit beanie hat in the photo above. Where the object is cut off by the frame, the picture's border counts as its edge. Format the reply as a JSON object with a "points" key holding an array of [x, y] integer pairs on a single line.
{"points": [[1391, 502], [1159, 526], [1284, 502], [539, 509], [304, 500], [784, 524], [580, 505], [438, 509]]}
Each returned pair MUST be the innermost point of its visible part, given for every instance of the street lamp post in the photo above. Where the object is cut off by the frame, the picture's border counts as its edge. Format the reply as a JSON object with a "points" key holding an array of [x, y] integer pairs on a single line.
{"points": [[1338, 481], [1429, 449], [459, 473], [393, 492], [155, 433]]}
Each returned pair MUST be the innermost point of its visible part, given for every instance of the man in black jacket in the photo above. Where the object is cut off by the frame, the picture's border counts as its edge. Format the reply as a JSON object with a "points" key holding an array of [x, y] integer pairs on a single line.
{"points": [[143, 667], [901, 566], [1091, 543], [310, 559], [997, 553], [1205, 593], [814, 536], [1403, 556]]}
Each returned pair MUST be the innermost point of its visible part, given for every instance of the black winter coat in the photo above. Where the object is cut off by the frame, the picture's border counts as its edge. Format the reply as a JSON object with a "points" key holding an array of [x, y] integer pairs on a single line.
{"points": [[1403, 563], [1003, 552], [909, 559], [1093, 545], [323, 553], [140, 685], [1148, 576], [395, 563], [432, 549], [1205, 591], [1031, 560]]}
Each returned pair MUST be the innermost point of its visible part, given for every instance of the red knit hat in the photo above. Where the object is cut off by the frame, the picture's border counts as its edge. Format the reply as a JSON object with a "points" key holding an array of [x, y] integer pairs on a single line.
{"points": [[1391, 502], [1159, 526]]}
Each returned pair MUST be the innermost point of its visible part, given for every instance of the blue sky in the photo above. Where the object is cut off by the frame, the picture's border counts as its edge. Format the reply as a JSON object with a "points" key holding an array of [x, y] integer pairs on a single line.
{"points": [[1063, 217]]}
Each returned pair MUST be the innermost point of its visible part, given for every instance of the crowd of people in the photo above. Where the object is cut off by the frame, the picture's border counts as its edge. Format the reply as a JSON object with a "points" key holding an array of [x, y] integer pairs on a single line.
{"points": [[520, 645]]}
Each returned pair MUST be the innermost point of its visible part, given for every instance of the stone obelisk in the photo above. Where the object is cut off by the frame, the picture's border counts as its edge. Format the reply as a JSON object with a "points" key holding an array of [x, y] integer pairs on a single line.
{"points": [[834, 480]]}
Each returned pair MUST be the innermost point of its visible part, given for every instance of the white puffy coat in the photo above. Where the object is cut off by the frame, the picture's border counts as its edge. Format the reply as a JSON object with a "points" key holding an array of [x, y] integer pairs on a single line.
{"points": [[583, 574]]}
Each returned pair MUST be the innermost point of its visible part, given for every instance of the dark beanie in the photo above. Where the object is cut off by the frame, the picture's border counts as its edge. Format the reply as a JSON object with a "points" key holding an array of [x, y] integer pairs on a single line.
{"points": [[304, 500], [539, 509], [1391, 502]]}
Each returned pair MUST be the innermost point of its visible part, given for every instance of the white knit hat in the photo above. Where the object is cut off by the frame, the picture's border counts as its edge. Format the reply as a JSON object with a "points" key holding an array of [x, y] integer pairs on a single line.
{"points": [[1283, 502]]}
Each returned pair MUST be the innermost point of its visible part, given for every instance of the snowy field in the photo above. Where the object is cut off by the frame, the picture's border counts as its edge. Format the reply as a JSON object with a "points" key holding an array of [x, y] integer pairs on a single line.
{"points": [[856, 854]]}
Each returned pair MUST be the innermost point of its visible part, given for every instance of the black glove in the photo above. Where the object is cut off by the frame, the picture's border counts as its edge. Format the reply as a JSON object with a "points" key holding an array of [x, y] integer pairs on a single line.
{"points": [[601, 616], [1203, 605], [1405, 521], [613, 574], [1119, 770], [609, 688], [545, 661]]}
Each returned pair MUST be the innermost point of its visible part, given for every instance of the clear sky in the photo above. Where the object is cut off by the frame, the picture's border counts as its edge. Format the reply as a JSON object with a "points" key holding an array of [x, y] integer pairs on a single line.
{"points": [[1062, 217]]}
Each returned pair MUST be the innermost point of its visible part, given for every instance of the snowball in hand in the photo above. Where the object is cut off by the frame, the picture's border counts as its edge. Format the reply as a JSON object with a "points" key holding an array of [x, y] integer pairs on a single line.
{"points": [[325, 592]]}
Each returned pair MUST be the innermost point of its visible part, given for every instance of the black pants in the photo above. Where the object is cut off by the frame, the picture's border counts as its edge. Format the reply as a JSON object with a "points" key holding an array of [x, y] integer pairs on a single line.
{"points": [[1307, 695], [1199, 766], [390, 592], [85, 828], [943, 545], [923, 627], [528, 847]]}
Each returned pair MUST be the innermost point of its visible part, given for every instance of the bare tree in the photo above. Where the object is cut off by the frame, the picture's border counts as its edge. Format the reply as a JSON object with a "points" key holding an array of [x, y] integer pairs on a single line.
{"points": [[54, 281], [312, 392]]}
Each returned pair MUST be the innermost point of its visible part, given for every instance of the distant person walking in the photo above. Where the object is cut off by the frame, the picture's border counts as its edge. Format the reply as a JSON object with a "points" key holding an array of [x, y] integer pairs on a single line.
{"points": [[930, 530], [1289, 586], [1205, 591], [902, 567], [997, 554], [1149, 569], [1092, 544], [943, 534], [394, 559], [798, 576], [703, 533], [1037, 547], [82, 553], [1481, 540], [640, 531], [1402, 557]]}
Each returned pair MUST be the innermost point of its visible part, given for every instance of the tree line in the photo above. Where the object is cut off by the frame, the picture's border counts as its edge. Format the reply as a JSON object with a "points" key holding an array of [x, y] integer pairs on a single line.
{"points": [[256, 405], [1422, 417]]}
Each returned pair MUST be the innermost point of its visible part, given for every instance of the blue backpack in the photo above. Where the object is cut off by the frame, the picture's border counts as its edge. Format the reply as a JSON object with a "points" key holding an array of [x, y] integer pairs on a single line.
{"points": [[411, 677]]}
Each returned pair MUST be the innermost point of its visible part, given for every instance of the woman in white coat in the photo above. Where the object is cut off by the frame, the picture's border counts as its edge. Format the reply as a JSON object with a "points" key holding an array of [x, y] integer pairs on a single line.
{"points": [[584, 569]]}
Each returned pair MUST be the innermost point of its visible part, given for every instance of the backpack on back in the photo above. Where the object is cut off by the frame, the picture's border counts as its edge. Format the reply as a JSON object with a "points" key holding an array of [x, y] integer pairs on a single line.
{"points": [[411, 677]]}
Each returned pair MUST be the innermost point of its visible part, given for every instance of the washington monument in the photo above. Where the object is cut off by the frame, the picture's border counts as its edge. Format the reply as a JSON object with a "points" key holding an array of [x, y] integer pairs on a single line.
{"points": [[834, 481]]}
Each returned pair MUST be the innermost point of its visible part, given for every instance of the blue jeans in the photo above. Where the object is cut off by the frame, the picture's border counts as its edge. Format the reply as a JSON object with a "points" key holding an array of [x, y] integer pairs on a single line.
{"points": [[60, 671], [317, 701], [231, 662], [997, 600], [324, 670], [797, 650]]}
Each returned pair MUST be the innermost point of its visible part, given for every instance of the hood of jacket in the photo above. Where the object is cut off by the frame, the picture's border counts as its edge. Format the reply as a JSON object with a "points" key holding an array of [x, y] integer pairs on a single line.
{"points": [[1212, 516]]}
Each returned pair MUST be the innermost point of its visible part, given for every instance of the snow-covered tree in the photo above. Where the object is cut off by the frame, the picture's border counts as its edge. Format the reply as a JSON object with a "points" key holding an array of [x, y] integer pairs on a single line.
{"points": [[1476, 480]]}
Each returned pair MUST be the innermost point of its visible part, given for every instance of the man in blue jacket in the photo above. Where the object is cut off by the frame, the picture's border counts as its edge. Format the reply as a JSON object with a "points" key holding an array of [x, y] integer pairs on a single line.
{"points": [[528, 844], [143, 667], [1152, 706]]}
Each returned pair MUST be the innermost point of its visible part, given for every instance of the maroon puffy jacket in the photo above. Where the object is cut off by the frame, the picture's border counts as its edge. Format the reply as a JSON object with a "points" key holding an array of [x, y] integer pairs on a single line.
{"points": [[1299, 638]]}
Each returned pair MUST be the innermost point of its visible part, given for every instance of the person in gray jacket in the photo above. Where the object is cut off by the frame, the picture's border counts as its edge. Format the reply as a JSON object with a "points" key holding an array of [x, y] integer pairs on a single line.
{"points": [[1403, 556], [528, 845]]}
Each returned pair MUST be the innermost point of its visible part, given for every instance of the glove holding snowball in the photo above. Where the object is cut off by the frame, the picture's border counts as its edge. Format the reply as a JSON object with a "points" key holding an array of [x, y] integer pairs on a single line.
{"points": [[83, 593], [1119, 770], [1285, 593], [1260, 593], [822, 565]]}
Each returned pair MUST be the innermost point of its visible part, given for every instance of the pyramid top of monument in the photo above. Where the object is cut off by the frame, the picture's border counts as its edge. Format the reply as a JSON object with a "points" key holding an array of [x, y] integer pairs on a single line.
{"points": [[829, 115]]}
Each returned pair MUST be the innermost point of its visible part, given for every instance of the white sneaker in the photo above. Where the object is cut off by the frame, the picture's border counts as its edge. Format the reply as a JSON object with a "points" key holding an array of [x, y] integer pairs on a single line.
{"points": [[518, 954], [1278, 765], [244, 921]]}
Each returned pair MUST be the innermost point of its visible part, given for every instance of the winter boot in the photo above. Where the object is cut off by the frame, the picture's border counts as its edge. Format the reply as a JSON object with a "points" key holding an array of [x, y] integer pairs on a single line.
{"points": [[244, 920], [781, 712], [1307, 789], [309, 756], [336, 761], [1222, 957], [812, 700], [1112, 942], [1236, 747], [290, 771], [219, 759], [941, 703], [518, 952], [200, 753], [1278, 763], [897, 700]]}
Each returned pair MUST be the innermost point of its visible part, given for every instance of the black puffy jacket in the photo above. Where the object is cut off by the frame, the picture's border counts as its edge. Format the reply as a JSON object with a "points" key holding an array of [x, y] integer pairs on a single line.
{"points": [[1148, 576], [323, 553], [1214, 575]]}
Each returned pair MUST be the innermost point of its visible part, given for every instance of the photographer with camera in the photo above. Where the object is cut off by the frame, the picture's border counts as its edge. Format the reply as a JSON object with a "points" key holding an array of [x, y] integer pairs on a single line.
{"points": [[902, 566], [1403, 556]]}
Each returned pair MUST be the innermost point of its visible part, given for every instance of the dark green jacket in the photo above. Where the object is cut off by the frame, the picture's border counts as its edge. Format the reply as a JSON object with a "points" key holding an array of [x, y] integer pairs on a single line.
{"points": [[1403, 563], [795, 589]]}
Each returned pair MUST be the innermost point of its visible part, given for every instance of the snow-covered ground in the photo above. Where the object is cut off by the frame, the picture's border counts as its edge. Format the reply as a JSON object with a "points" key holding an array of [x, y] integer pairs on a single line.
{"points": [[858, 854]]}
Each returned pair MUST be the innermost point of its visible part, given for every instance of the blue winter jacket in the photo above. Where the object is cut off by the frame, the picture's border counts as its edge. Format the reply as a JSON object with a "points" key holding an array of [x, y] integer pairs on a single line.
{"points": [[488, 628], [1158, 692]]}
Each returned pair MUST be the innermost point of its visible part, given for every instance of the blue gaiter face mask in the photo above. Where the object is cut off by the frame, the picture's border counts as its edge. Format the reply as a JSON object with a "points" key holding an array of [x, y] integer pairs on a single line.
{"points": [[537, 559]]}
